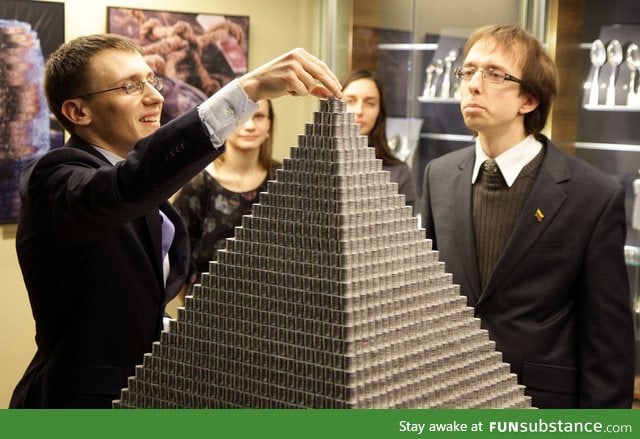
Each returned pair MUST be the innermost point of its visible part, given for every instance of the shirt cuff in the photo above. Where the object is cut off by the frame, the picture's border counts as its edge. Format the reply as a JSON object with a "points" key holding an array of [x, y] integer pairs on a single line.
{"points": [[225, 110]]}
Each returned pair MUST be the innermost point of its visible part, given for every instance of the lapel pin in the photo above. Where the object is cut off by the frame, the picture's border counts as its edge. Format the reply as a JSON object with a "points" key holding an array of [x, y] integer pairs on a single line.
{"points": [[539, 215]]}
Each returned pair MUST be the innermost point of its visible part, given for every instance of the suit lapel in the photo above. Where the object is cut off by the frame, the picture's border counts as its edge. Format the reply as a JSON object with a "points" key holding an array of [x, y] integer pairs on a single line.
{"points": [[464, 227], [150, 218], [548, 197]]}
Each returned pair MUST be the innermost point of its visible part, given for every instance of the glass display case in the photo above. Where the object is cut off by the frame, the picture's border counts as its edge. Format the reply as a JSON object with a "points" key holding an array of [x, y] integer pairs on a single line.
{"points": [[415, 46], [607, 105]]}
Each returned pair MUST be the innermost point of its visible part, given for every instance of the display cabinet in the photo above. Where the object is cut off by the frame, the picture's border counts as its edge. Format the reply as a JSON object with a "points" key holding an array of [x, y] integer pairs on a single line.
{"points": [[415, 45], [607, 132]]}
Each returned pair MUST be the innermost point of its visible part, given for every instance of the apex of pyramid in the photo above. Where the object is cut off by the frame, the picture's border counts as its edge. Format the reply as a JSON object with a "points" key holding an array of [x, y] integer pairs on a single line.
{"points": [[333, 105]]}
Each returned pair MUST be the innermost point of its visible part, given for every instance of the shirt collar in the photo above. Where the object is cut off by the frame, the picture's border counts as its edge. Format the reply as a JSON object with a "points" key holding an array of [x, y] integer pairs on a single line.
{"points": [[511, 161], [111, 157]]}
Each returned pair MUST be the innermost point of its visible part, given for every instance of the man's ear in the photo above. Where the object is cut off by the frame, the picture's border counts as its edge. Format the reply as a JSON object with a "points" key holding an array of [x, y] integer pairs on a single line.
{"points": [[74, 110], [528, 105]]}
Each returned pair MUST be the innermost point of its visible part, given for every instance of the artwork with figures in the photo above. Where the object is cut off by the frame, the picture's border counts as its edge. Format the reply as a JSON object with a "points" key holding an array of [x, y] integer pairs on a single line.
{"points": [[195, 54], [29, 32]]}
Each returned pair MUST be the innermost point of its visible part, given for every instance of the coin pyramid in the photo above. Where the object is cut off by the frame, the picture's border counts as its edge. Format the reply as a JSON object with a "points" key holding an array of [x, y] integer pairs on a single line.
{"points": [[328, 296]]}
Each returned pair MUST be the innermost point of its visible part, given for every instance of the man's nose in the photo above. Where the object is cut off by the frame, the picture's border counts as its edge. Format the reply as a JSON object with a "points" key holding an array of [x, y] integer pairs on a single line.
{"points": [[153, 93], [476, 80]]}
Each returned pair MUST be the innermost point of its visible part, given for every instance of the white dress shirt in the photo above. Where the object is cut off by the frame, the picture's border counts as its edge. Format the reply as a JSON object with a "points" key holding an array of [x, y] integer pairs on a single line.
{"points": [[511, 161]]}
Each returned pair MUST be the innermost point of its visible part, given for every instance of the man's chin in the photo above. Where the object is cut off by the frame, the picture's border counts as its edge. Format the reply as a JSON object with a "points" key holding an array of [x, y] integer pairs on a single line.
{"points": [[150, 128], [473, 123]]}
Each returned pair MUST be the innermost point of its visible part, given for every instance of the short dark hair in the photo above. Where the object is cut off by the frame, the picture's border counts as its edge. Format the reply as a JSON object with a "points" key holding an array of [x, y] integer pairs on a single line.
{"points": [[539, 72], [66, 70]]}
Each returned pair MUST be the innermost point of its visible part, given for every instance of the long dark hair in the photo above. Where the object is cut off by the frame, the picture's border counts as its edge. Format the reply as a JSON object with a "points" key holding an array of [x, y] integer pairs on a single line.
{"points": [[378, 134]]}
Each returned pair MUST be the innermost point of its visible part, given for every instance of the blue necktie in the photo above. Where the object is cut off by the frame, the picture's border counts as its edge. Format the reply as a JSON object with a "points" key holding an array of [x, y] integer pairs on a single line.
{"points": [[168, 231]]}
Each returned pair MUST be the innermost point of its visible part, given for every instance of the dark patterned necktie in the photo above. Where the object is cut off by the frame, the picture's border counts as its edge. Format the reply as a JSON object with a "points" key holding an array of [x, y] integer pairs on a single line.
{"points": [[490, 167], [492, 177]]}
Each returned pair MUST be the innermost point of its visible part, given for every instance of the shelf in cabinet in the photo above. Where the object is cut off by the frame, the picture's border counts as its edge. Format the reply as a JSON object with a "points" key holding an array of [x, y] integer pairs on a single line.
{"points": [[408, 46], [620, 147], [437, 100], [610, 108], [465, 138]]}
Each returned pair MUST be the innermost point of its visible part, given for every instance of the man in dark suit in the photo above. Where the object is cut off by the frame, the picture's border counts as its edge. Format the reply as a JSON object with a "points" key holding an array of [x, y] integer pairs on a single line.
{"points": [[533, 237], [100, 249]]}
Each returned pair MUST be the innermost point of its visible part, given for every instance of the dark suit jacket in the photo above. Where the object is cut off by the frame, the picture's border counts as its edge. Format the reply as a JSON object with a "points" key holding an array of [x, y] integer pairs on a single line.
{"points": [[558, 303], [88, 243]]}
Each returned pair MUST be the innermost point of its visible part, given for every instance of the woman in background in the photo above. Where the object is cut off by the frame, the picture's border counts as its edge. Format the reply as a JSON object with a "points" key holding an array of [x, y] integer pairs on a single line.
{"points": [[362, 92], [213, 202]]}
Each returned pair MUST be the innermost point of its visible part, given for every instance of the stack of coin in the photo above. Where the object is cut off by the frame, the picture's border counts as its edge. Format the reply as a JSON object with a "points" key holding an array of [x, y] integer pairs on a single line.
{"points": [[24, 118], [328, 296]]}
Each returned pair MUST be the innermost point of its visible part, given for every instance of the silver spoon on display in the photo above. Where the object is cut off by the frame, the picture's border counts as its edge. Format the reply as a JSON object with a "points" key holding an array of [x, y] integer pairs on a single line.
{"points": [[445, 90], [614, 58], [427, 83], [439, 70], [633, 63], [598, 57]]}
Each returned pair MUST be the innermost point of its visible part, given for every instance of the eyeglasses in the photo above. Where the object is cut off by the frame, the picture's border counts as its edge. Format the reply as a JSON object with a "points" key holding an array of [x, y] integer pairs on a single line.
{"points": [[490, 75], [132, 88]]}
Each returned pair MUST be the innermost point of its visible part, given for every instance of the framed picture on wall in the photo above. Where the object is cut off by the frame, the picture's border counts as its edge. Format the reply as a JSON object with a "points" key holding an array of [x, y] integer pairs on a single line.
{"points": [[196, 54], [29, 32]]}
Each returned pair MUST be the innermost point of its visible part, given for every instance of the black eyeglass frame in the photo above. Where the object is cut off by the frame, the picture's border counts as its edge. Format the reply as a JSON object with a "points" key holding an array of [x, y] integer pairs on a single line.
{"points": [[133, 88], [483, 73]]}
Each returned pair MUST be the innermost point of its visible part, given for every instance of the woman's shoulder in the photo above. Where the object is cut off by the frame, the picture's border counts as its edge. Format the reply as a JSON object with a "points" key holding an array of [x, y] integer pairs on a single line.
{"points": [[399, 168], [201, 184]]}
